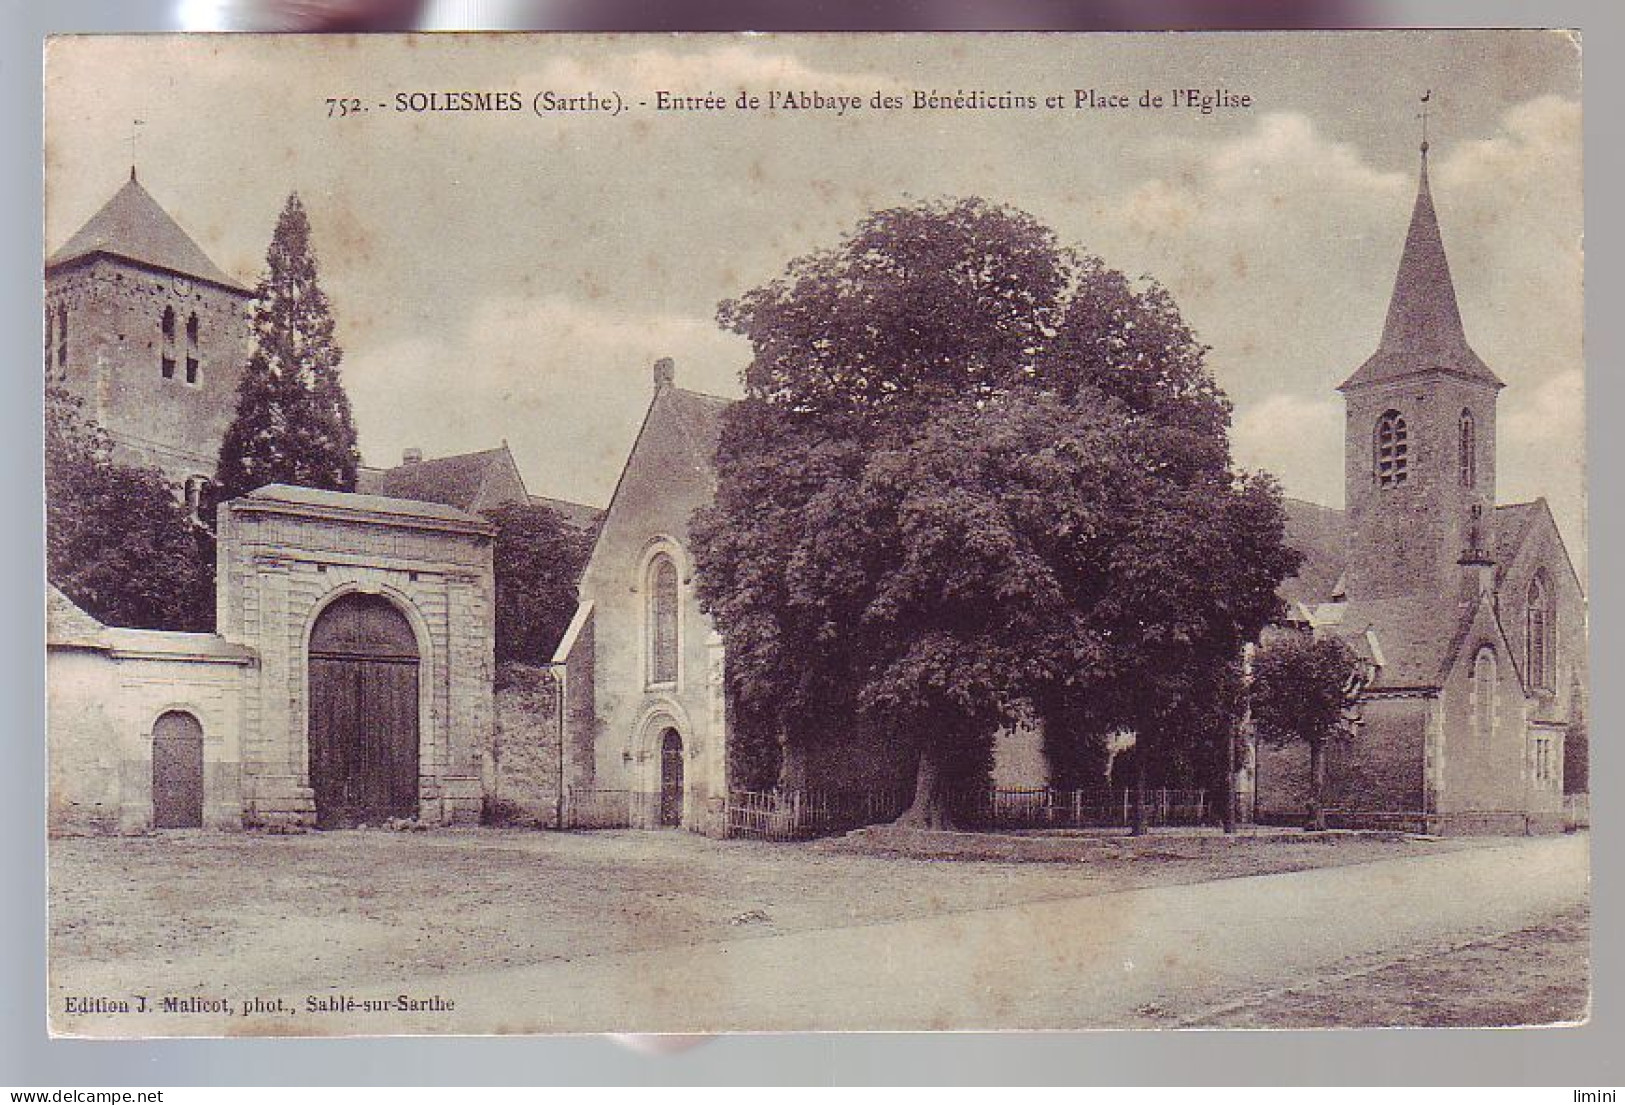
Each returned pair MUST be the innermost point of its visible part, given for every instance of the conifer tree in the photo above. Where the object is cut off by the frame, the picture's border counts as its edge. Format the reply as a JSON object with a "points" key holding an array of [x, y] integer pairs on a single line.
{"points": [[293, 422]]}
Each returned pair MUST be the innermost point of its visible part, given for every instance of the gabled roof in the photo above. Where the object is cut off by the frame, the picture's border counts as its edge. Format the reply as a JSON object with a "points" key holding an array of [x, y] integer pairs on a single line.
{"points": [[461, 481], [695, 419], [454, 480], [1423, 331], [131, 225]]}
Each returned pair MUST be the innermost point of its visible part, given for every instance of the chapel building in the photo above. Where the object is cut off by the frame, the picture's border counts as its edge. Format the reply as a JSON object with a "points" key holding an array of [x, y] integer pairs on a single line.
{"points": [[1468, 614]]}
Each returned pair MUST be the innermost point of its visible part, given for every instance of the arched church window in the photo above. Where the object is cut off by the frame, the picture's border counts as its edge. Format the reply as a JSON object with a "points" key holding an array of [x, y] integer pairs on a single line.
{"points": [[1484, 694], [1538, 634], [1392, 459], [191, 349], [166, 356], [662, 592], [197, 493], [1468, 450], [62, 336]]}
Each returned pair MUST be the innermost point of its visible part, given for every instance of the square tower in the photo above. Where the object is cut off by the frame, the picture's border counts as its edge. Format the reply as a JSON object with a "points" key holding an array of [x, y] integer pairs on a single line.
{"points": [[144, 328]]}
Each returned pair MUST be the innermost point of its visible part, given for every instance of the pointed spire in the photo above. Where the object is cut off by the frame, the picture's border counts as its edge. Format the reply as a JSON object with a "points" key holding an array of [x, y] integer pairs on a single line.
{"points": [[1423, 330]]}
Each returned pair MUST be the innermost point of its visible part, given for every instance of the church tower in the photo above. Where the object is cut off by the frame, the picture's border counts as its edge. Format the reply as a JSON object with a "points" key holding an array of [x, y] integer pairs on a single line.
{"points": [[143, 327], [1419, 442]]}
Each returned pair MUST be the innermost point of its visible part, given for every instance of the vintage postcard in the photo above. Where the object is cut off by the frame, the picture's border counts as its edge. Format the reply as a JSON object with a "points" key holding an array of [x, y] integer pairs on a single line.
{"points": [[572, 533]]}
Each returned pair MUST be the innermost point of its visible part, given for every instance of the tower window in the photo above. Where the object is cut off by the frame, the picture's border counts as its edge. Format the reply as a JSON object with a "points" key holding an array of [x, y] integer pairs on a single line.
{"points": [[62, 336], [1392, 450], [1539, 624], [1468, 450], [191, 349], [166, 358], [662, 592], [1484, 694]]}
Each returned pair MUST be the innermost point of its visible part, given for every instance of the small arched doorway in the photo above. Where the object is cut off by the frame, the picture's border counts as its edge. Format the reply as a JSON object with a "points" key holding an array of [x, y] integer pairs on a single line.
{"points": [[177, 772], [671, 779], [363, 713]]}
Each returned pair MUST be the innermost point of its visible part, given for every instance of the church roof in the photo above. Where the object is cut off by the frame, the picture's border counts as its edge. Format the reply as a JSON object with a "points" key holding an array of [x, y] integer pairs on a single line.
{"points": [[1320, 534], [1423, 331], [459, 481], [133, 226]]}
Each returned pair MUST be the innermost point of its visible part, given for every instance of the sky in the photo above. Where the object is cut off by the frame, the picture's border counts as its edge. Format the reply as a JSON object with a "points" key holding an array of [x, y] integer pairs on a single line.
{"points": [[509, 276]]}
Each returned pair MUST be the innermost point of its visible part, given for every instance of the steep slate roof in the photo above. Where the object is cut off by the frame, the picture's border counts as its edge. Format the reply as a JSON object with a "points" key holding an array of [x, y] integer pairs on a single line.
{"points": [[1423, 330], [579, 515], [459, 481], [1320, 533], [455, 480], [131, 225]]}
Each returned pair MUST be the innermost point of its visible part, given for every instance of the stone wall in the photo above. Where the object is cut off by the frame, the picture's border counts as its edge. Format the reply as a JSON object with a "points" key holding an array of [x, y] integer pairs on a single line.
{"points": [[523, 759], [115, 344]]}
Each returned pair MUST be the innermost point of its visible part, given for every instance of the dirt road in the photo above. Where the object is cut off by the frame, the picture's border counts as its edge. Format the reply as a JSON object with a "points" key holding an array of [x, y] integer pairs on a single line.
{"points": [[1000, 946]]}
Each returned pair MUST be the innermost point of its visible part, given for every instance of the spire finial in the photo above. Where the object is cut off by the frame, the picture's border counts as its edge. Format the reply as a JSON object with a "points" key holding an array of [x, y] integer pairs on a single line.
{"points": [[1426, 98], [133, 124]]}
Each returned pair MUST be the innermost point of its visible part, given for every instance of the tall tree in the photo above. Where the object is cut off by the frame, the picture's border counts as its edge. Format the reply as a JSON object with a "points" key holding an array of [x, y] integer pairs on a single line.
{"points": [[118, 540], [1302, 688], [293, 422], [959, 442], [538, 557]]}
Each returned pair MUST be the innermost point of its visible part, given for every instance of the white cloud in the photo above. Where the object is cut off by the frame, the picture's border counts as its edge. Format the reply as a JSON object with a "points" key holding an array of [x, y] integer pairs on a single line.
{"points": [[565, 382], [1290, 436]]}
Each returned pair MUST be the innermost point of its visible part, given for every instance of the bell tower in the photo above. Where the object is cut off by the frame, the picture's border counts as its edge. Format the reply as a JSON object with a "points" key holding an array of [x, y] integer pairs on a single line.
{"points": [[143, 327], [1419, 441]]}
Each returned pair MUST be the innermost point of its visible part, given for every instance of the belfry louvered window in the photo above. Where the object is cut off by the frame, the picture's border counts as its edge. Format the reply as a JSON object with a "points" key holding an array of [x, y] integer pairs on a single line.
{"points": [[662, 620], [1392, 450]]}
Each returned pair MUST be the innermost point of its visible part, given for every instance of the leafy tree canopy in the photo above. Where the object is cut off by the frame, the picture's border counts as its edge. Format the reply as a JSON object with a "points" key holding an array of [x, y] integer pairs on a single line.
{"points": [[118, 541], [292, 423], [1301, 687], [538, 557], [976, 475]]}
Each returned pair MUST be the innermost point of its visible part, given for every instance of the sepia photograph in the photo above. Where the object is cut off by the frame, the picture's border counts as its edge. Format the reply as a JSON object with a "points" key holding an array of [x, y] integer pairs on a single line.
{"points": [[650, 533]]}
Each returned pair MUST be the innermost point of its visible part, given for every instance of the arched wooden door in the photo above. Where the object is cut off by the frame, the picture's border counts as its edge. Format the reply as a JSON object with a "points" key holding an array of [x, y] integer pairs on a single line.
{"points": [[363, 713], [671, 778], [177, 772]]}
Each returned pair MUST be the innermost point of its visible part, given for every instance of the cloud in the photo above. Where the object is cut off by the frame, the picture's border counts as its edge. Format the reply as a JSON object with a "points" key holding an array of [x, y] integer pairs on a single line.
{"points": [[1282, 168], [565, 382], [1289, 435]]}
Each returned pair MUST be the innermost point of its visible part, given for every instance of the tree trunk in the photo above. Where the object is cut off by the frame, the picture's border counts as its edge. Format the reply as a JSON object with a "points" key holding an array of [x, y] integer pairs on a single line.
{"points": [[1230, 782], [1317, 786], [930, 807], [1142, 822], [792, 766]]}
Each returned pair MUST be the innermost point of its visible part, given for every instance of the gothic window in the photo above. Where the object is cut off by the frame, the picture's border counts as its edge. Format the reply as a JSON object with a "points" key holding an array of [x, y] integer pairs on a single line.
{"points": [[166, 359], [1484, 694], [191, 350], [1392, 459], [1468, 450], [62, 336], [662, 604], [1538, 635]]}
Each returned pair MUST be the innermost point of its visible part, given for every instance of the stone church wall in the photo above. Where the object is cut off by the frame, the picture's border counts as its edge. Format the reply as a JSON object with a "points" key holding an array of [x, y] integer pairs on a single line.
{"points": [[115, 343]]}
